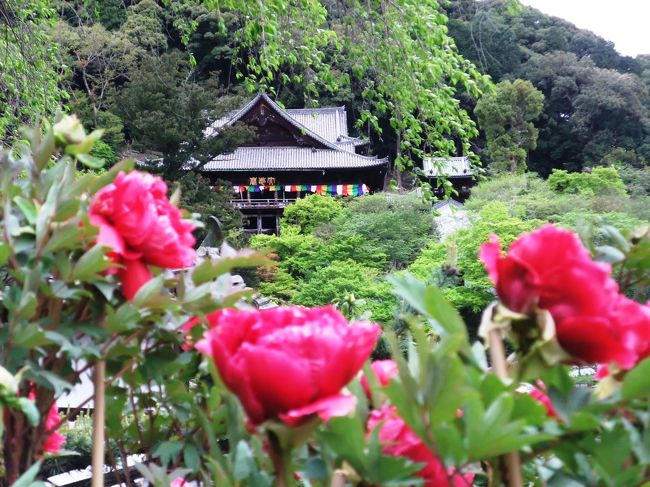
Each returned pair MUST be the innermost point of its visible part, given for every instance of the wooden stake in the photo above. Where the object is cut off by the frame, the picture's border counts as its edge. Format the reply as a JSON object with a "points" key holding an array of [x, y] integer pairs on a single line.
{"points": [[338, 479], [99, 414], [511, 462]]}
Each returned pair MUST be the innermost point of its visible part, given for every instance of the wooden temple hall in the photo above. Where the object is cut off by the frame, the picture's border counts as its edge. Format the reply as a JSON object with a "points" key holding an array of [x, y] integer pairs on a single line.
{"points": [[295, 152]]}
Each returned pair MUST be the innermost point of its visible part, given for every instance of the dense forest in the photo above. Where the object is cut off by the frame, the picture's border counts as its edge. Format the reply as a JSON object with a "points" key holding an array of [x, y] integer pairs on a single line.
{"points": [[595, 108], [153, 74]]}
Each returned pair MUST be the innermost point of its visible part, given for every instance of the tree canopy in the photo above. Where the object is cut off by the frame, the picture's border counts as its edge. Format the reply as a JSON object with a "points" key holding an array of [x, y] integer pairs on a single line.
{"points": [[506, 116]]}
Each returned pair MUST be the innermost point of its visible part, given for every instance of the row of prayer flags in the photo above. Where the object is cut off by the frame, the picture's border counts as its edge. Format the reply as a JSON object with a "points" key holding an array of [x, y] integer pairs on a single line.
{"points": [[256, 188], [331, 189]]}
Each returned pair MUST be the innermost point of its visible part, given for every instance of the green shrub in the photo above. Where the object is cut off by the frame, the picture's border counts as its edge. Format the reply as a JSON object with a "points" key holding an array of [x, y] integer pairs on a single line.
{"points": [[454, 266], [601, 180], [113, 129], [636, 180], [312, 211], [399, 225], [622, 221], [103, 151], [298, 254], [529, 197], [341, 278]]}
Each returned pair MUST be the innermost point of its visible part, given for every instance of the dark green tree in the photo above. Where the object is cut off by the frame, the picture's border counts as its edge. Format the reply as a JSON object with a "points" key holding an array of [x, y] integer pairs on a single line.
{"points": [[166, 112], [198, 195], [506, 116]]}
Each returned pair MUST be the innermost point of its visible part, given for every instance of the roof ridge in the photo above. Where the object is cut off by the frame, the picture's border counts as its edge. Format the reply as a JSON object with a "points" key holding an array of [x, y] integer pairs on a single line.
{"points": [[312, 149], [283, 113], [307, 109]]}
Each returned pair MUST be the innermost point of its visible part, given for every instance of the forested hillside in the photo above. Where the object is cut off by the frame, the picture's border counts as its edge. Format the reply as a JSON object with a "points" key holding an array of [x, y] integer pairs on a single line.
{"points": [[596, 102], [153, 74]]}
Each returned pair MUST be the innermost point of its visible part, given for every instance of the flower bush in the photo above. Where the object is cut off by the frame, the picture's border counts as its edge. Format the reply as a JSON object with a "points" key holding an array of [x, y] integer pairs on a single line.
{"points": [[550, 269], [210, 390], [399, 441]]}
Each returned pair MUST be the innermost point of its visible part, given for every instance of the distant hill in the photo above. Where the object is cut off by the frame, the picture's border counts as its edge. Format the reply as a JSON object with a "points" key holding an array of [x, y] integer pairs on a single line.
{"points": [[597, 106]]}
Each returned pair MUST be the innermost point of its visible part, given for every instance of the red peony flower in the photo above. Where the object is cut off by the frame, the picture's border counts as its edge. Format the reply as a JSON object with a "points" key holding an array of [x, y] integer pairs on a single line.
{"points": [[178, 482], [141, 227], [288, 363], [550, 269], [55, 441], [633, 319], [400, 441], [385, 370]]}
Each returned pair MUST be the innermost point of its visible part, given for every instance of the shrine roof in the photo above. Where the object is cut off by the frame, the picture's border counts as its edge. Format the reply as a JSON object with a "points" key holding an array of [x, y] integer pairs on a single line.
{"points": [[290, 158], [327, 125]]}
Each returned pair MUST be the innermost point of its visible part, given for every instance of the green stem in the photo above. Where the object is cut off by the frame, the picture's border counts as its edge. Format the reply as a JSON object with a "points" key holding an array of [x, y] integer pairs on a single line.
{"points": [[281, 461], [509, 462]]}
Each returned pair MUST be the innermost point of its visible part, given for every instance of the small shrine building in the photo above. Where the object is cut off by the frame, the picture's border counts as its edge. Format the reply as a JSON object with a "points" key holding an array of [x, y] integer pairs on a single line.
{"points": [[458, 170], [295, 152]]}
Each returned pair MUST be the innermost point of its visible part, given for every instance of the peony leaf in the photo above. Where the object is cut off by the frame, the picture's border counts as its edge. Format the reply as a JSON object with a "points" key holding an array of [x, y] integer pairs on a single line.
{"points": [[29, 409], [167, 451], [28, 479], [609, 254], [147, 294], [90, 161], [44, 151], [431, 303], [90, 264], [208, 270], [191, 457], [27, 208], [637, 381], [66, 236], [122, 319], [4, 253]]}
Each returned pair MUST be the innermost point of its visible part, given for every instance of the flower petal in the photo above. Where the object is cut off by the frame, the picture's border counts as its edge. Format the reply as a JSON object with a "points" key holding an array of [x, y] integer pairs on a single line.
{"points": [[133, 276], [327, 408]]}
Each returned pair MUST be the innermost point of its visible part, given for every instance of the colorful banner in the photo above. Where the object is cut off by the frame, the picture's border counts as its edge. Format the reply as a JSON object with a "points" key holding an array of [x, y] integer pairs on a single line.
{"points": [[323, 189]]}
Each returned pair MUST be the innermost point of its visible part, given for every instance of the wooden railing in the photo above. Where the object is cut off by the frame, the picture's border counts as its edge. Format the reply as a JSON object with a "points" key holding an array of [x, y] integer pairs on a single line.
{"points": [[261, 203]]}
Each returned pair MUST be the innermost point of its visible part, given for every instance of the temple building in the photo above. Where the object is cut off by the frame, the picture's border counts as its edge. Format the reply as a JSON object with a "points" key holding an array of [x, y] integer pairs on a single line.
{"points": [[295, 152], [458, 170]]}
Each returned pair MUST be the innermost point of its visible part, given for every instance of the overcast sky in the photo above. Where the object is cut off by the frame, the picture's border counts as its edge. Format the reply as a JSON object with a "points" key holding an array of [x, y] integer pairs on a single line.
{"points": [[624, 22]]}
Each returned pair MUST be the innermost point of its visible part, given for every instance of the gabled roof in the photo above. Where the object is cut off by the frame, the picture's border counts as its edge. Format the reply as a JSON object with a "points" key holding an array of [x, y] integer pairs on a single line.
{"points": [[238, 116], [290, 159], [328, 144], [324, 125]]}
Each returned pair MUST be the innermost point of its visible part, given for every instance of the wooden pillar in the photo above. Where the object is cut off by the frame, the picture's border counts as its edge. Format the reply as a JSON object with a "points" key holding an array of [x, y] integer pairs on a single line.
{"points": [[277, 225], [259, 223]]}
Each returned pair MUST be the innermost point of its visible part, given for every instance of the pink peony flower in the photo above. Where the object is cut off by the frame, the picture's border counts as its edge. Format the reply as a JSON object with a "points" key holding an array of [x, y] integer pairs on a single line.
{"points": [[141, 227], [539, 394], [384, 370], [288, 363], [400, 441]]}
